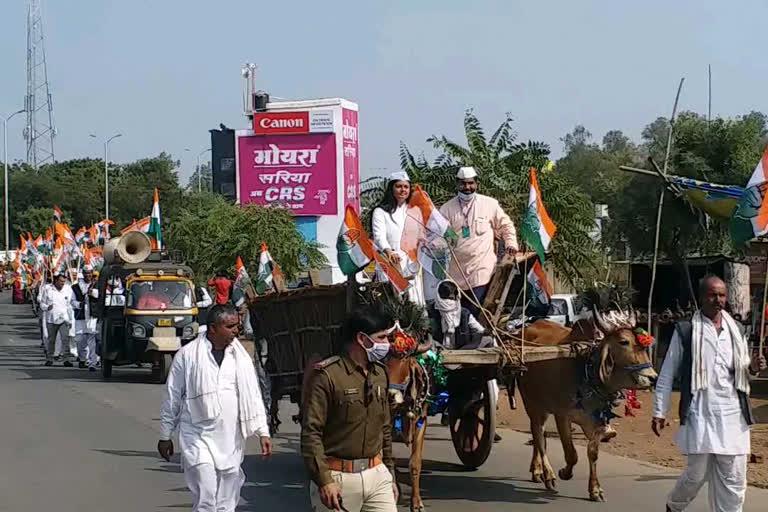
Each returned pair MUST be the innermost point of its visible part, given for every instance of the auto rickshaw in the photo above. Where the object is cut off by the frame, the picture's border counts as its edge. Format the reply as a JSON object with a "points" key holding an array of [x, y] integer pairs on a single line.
{"points": [[147, 306]]}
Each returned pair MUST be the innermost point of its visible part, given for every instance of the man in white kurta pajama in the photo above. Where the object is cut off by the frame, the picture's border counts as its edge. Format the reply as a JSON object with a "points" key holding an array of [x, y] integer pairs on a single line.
{"points": [[712, 359], [84, 296], [214, 400]]}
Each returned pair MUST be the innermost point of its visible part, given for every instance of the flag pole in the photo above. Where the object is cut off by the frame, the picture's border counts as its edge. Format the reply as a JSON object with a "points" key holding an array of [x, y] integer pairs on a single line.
{"points": [[762, 313], [525, 288], [661, 206]]}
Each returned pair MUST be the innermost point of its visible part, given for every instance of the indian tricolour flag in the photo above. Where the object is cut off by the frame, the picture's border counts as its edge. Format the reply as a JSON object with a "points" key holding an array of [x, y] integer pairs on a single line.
{"points": [[426, 233], [540, 288], [354, 250], [538, 229], [138, 225], [750, 219], [57, 213], [242, 280], [155, 230], [265, 276]]}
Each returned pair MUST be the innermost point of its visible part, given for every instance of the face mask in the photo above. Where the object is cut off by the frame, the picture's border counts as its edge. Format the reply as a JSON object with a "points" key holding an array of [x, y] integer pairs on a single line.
{"points": [[464, 196], [378, 351]]}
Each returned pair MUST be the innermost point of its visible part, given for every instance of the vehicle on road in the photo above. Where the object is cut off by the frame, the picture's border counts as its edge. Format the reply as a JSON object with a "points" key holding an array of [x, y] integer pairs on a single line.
{"points": [[147, 307], [566, 309]]}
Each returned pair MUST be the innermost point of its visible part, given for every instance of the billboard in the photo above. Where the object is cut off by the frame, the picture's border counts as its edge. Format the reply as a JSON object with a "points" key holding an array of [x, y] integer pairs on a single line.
{"points": [[275, 123], [295, 171], [351, 158]]}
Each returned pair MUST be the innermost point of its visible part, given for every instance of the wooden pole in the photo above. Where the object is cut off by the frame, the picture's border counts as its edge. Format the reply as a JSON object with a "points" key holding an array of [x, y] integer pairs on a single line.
{"points": [[503, 299], [661, 205], [709, 105], [762, 312], [522, 332]]}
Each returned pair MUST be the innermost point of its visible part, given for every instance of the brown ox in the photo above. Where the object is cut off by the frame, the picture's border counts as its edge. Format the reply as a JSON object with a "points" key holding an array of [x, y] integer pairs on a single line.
{"points": [[408, 390], [576, 390]]}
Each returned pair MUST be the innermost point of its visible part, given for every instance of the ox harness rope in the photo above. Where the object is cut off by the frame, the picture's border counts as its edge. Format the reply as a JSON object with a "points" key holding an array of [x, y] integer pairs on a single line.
{"points": [[414, 398], [592, 395]]}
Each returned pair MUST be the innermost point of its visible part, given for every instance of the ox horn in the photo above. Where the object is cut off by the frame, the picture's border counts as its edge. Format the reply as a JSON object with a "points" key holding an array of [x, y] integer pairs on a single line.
{"points": [[632, 316], [598, 319], [424, 347]]}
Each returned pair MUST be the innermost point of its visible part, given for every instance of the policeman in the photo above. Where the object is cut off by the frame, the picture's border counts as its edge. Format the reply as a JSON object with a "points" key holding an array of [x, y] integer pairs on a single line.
{"points": [[346, 435]]}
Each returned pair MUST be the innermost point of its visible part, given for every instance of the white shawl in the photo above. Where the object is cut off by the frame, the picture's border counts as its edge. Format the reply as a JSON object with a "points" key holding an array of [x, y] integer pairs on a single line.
{"points": [[202, 395], [450, 314], [741, 360]]}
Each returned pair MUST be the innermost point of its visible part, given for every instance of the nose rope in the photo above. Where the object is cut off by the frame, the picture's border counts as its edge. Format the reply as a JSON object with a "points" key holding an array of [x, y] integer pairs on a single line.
{"points": [[638, 367]]}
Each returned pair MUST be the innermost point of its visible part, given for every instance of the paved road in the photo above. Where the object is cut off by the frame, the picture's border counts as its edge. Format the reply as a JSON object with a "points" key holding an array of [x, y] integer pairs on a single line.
{"points": [[71, 442]]}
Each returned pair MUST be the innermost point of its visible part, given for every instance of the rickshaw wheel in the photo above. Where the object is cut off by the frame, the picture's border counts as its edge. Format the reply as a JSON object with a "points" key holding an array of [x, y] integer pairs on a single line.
{"points": [[106, 369], [473, 425], [164, 360]]}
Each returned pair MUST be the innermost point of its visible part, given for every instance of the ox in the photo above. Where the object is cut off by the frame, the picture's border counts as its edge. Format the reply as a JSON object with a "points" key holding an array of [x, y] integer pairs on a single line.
{"points": [[581, 390], [408, 392]]}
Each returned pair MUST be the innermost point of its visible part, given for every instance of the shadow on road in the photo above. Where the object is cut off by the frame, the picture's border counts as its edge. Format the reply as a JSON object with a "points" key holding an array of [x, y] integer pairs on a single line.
{"points": [[450, 487], [653, 478], [277, 483], [761, 414]]}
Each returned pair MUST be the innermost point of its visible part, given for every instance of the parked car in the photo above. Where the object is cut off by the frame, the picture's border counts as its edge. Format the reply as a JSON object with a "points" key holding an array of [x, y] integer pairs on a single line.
{"points": [[566, 308]]}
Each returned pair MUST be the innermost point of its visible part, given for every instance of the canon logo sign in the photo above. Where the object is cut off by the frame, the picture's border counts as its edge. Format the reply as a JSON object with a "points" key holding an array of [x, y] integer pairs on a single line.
{"points": [[275, 124], [280, 122]]}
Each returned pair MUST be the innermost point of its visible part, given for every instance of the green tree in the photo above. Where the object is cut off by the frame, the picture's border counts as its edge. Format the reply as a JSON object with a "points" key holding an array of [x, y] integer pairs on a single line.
{"points": [[33, 219], [502, 164], [206, 179], [720, 151], [132, 189], [595, 169], [211, 233]]}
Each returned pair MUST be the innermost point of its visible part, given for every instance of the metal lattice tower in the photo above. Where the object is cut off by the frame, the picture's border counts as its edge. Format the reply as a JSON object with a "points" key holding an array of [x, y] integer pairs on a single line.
{"points": [[40, 129]]}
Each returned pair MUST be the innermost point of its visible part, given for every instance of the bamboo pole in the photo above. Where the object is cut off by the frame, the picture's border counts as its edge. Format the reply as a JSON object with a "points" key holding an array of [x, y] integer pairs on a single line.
{"points": [[525, 288], [709, 105], [762, 313], [661, 206]]}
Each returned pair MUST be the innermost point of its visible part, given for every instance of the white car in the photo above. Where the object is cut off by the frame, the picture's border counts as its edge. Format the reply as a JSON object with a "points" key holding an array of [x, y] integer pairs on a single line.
{"points": [[566, 308]]}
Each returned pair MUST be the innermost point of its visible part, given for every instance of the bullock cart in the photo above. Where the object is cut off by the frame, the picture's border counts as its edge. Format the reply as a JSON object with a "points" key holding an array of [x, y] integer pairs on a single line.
{"points": [[303, 326]]}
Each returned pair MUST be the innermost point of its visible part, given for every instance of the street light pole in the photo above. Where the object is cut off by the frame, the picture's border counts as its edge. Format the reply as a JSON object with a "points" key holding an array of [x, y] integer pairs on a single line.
{"points": [[5, 180], [199, 171], [106, 172]]}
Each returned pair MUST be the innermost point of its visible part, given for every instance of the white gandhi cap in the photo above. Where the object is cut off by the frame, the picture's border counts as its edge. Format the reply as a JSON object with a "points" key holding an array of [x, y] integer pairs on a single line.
{"points": [[399, 176], [466, 173]]}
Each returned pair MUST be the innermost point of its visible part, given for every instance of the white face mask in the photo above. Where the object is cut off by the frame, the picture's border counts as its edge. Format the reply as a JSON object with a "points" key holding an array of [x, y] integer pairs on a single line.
{"points": [[464, 196], [378, 351]]}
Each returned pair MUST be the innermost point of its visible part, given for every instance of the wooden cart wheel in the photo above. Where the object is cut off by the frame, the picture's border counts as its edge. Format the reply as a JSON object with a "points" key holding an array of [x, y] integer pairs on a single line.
{"points": [[473, 425]]}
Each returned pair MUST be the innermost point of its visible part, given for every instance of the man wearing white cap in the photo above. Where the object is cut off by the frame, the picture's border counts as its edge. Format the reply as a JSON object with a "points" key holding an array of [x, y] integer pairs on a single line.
{"points": [[84, 297], [478, 220], [388, 223]]}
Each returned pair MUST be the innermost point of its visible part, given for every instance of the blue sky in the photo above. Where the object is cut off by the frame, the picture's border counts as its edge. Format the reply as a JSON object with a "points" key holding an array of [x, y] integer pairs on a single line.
{"points": [[163, 72]]}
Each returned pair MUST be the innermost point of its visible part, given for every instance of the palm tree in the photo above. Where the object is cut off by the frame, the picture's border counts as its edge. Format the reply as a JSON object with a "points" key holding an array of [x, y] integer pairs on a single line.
{"points": [[502, 164]]}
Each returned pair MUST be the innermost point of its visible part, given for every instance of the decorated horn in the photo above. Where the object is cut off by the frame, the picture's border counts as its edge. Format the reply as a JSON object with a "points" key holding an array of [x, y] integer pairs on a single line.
{"points": [[424, 347], [598, 318]]}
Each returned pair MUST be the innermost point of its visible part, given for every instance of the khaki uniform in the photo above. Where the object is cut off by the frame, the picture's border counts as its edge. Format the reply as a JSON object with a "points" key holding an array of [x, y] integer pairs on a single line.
{"points": [[346, 416]]}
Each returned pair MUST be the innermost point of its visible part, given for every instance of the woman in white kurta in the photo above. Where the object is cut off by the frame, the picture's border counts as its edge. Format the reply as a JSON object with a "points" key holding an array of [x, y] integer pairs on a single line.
{"points": [[388, 223]]}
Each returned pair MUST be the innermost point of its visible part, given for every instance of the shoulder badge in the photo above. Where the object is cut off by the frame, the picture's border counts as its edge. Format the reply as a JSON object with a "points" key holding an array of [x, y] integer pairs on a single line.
{"points": [[321, 365]]}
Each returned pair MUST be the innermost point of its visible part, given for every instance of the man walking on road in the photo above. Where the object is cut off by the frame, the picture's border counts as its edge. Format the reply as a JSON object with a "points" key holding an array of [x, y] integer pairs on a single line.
{"points": [[214, 401], [713, 362], [85, 295], [346, 433], [223, 287], [56, 302]]}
